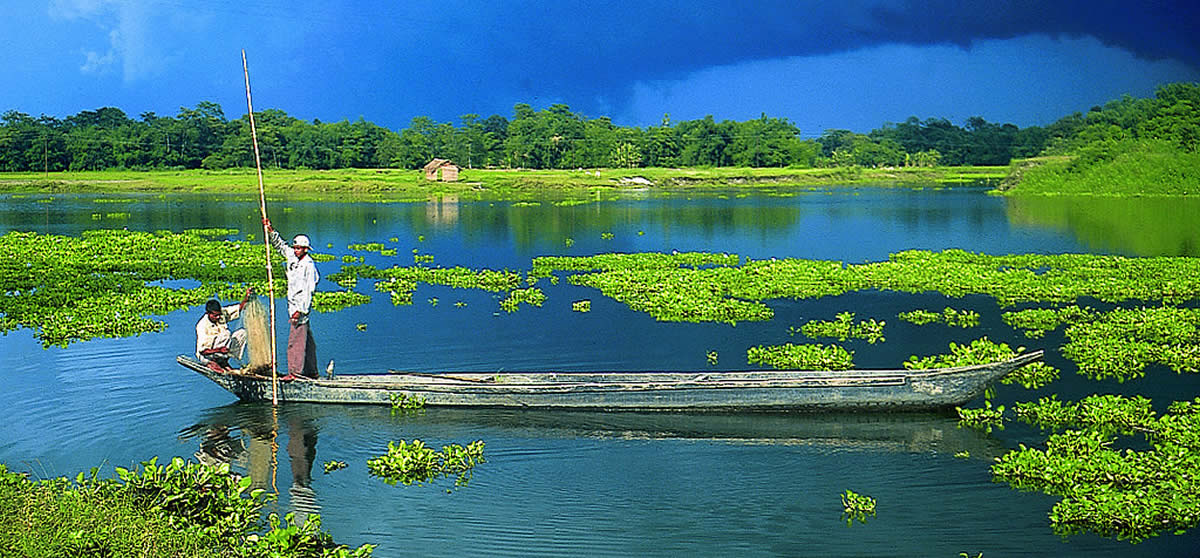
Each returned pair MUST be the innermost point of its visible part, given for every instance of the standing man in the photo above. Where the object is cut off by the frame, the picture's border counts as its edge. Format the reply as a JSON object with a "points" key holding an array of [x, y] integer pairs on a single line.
{"points": [[215, 344], [302, 280]]}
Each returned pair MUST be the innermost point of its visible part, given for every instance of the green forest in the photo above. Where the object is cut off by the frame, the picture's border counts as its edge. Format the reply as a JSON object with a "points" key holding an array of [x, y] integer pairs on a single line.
{"points": [[202, 137]]}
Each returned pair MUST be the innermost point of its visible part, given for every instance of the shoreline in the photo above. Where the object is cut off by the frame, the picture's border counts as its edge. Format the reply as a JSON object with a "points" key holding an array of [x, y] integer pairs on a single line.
{"points": [[493, 184]]}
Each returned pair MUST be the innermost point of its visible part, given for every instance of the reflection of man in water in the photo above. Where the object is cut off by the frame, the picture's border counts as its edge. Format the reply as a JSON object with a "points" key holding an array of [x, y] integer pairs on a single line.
{"points": [[302, 449], [219, 445]]}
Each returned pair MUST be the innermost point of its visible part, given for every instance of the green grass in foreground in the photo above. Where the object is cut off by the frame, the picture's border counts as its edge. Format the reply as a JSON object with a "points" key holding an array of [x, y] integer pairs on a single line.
{"points": [[490, 184], [178, 509]]}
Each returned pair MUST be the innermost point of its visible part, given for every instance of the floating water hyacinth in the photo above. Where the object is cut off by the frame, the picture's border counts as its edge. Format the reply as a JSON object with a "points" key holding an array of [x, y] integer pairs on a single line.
{"points": [[857, 507], [1121, 343], [415, 463], [948, 316], [979, 351], [844, 327], [801, 357], [1108, 488]]}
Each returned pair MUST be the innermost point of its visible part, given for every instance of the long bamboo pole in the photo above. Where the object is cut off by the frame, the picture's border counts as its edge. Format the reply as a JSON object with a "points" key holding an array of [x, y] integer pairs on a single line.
{"points": [[262, 202]]}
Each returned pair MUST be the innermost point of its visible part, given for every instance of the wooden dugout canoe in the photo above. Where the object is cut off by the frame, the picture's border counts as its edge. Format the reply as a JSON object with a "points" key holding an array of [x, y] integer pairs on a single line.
{"points": [[643, 391]]}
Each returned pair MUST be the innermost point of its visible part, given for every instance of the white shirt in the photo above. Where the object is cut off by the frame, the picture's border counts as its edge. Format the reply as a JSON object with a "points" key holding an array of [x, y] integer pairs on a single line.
{"points": [[211, 335], [302, 277]]}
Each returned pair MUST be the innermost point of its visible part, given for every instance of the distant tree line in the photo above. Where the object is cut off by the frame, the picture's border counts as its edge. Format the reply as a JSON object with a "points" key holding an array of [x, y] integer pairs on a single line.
{"points": [[551, 138]]}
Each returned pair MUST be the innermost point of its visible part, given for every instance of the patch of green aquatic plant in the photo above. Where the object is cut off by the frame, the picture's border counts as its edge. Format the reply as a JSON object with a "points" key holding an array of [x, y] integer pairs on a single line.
{"points": [[1034, 375], [581, 306], [422, 258], [456, 277], [332, 301], [964, 454], [844, 327], [979, 351], [949, 316], [921, 317], [801, 357], [360, 326], [658, 285], [352, 259], [532, 296], [333, 465], [404, 402], [857, 507], [1108, 414], [526, 204], [367, 247], [101, 283], [641, 260], [433, 301], [715, 287], [983, 419], [1037, 321], [415, 463], [289, 538], [569, 242], [1121, 343], [712, 358], [606, 235], [1132, 494], [319, 257]]}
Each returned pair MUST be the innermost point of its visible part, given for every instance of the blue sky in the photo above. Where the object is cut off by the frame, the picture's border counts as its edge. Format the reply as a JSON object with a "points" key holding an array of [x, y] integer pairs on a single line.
{"points": [[853, 64]]}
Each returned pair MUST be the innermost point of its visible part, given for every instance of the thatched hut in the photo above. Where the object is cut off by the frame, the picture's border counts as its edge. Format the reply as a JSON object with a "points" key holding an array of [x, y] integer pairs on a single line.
{"points": [[446, 167]]}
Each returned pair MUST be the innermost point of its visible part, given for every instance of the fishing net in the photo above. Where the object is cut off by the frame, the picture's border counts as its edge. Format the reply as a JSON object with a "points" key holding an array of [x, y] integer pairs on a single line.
{"points": [[258, 336]]}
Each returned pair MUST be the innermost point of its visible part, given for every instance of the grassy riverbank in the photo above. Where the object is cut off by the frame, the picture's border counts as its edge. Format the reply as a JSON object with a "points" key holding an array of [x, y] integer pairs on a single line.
{"points": [[178, 509], [497, 184]]}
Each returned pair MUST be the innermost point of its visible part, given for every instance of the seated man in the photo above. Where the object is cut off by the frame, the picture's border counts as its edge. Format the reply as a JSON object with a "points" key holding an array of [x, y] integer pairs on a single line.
{"points": [[215, 344]]}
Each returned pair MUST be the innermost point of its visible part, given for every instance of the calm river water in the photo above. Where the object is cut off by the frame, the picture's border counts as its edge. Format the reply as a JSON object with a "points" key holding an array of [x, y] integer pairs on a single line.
{"points": [[594, 484]]}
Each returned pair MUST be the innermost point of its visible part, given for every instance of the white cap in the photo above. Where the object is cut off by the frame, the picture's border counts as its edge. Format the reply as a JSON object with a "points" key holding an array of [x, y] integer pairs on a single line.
{"points": [[301, 240]]}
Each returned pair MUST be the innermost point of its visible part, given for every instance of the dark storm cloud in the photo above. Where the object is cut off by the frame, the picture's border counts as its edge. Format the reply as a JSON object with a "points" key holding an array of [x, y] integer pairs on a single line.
{"points": [[591, 53]]}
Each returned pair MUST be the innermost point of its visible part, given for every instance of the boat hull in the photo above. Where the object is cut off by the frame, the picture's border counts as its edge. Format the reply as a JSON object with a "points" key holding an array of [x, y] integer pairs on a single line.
{"points": [[857, 390]]}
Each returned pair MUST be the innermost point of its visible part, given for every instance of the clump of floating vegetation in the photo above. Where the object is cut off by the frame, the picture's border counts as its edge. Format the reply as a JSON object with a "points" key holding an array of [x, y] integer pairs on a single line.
{"points": [[857, 507], [581, 306], [983, 419], [532, 296], [1129, 493], [1037, 321], [367, 247], [979, 351], [415, 463], [405, 402], [801, 357], [949, 316], [1122, 342], [844, 327], [333, 465], [983, 351], [702, 287], [326, 301], [101, 284]]}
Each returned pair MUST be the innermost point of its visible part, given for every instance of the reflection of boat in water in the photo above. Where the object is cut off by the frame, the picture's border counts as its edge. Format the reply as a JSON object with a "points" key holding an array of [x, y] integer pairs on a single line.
{"points": [[859, 432], [629, 391]]}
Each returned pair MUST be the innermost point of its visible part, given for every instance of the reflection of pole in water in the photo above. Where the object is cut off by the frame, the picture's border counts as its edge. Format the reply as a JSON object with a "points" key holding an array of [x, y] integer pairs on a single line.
{"points": [[253, 442]]}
